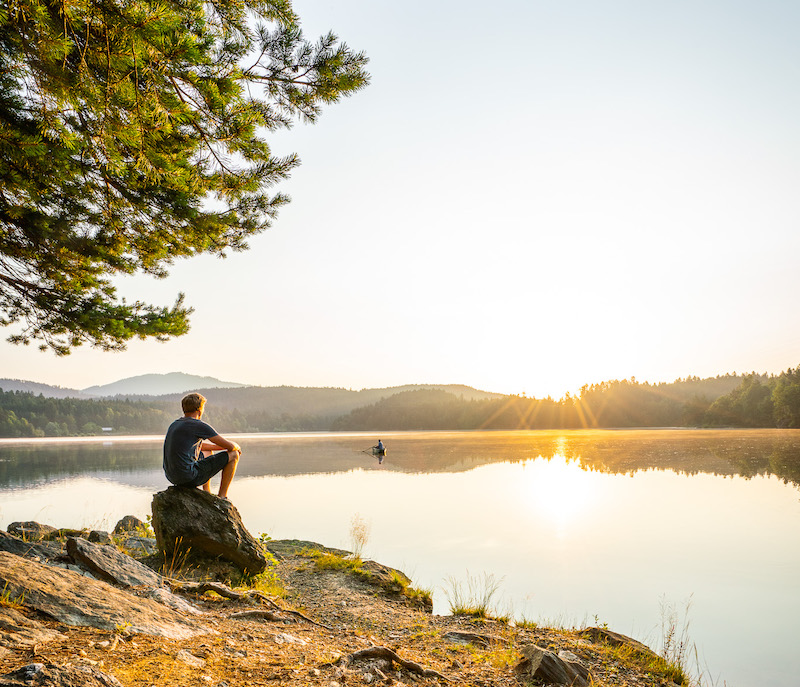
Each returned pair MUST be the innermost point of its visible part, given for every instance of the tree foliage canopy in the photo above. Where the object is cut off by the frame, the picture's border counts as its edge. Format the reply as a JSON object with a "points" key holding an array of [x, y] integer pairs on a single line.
{"points": [[132, 132]]}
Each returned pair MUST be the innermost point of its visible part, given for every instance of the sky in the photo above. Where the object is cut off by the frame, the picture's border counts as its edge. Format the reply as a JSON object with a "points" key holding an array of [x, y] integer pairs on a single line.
{"points": [[530, 196]]}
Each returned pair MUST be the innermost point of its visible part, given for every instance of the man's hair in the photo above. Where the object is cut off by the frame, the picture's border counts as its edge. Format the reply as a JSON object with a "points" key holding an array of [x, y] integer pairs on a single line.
{"points": [[193, 402]]}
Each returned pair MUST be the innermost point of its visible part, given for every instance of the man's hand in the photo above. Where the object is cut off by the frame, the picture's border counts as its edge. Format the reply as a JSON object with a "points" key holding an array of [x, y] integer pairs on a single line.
{"points": [[219, 443]]}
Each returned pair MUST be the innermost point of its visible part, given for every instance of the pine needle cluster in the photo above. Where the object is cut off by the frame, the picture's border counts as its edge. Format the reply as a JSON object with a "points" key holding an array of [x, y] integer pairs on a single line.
{"points": [[132, 133]]}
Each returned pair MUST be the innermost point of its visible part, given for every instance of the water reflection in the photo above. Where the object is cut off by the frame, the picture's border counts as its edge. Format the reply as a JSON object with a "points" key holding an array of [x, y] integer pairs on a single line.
{"points": [[25, 466], [746, 453]]}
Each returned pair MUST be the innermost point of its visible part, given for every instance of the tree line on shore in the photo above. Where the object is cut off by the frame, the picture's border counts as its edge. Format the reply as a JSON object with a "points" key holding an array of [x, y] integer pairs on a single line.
{"points": [[23, 414], [732, 400], [753, 401]]}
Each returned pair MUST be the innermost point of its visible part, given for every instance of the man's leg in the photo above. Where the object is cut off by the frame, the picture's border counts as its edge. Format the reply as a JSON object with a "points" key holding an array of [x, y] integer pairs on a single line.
{"points": [[207, 485], [228, 472]]}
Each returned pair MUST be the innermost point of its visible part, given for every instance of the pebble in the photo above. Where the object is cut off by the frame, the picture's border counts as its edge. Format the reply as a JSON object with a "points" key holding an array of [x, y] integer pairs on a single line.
{"points": [[189, 659], [286, 638]]}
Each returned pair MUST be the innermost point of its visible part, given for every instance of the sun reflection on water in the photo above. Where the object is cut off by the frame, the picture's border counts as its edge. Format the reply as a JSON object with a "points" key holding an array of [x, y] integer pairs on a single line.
{"points": [[559, 491]]}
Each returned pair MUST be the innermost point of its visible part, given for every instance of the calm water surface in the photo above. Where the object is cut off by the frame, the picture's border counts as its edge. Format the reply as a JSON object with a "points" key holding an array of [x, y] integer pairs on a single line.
{"points": [[580, 527]]}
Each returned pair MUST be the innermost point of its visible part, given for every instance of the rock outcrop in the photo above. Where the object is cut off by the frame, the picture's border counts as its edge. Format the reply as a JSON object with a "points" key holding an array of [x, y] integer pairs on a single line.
{"points": [[44, 551], [199, 522], [76, 600], [19, 632], [109, 564], [251, 646]]}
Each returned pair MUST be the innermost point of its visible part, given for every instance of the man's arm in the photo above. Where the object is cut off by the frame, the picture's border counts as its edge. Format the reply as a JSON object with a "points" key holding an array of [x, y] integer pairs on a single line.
{"points": [[218, 443]]}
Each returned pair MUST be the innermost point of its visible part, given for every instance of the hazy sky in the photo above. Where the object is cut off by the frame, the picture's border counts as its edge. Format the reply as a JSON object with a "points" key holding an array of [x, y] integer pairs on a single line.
{"points": [[530, 196]]}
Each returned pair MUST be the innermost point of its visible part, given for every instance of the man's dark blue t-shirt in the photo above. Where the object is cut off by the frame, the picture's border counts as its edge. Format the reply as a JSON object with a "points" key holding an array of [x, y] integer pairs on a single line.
{"points": [[182, 448]]}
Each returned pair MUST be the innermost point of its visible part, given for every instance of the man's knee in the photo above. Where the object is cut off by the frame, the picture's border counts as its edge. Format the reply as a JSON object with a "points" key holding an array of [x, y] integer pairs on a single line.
{"points": [[233, 456]]}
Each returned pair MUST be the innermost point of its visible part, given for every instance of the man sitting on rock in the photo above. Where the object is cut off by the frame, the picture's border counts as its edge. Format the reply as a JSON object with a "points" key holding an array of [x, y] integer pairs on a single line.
{"points": [[194, 452]]}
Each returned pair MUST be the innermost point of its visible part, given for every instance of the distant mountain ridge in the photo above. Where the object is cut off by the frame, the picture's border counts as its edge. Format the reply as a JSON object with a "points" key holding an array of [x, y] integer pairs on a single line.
{"points": [[270, 400], [159, 385], [320, 401], [37, 388]]}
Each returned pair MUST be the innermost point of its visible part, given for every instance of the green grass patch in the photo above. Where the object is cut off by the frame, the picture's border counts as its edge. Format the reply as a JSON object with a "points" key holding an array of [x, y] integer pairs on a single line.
{"points": [[499, 658], [472, 596], [9, 601], [399, 584], [325, 560], [266, 582], [393, 582], [176, 563], [654, 665], [419, 595]]}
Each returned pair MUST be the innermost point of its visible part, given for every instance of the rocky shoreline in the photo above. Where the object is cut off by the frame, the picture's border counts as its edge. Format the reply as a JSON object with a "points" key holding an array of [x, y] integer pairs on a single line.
{"points": [[96, 609]]}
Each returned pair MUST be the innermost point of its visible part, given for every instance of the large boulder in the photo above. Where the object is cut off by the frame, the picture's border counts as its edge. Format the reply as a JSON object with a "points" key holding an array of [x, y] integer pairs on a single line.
{"points": [[197, 521]]}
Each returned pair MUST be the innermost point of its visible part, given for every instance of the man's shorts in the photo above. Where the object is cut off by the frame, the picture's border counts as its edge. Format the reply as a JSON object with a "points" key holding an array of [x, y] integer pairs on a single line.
{"points": [[207, 467]]}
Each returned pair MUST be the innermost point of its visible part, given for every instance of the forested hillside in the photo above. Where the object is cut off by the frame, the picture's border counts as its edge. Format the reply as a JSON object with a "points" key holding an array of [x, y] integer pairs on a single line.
{"points": [[726, 401], [248, 409], [23, 414]]}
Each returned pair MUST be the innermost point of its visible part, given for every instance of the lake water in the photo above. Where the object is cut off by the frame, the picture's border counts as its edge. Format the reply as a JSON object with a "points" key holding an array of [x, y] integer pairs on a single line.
{"points": [[579, 527]]}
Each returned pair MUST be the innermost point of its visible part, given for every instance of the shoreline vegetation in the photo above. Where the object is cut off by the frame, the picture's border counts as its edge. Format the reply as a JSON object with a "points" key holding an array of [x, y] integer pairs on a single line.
{"points": [[315, 616], [742, 401]]}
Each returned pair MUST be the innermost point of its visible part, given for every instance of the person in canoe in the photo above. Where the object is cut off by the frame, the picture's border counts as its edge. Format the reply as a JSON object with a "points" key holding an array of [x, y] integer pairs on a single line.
{"points": [[379, 451], [194, 452]]}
